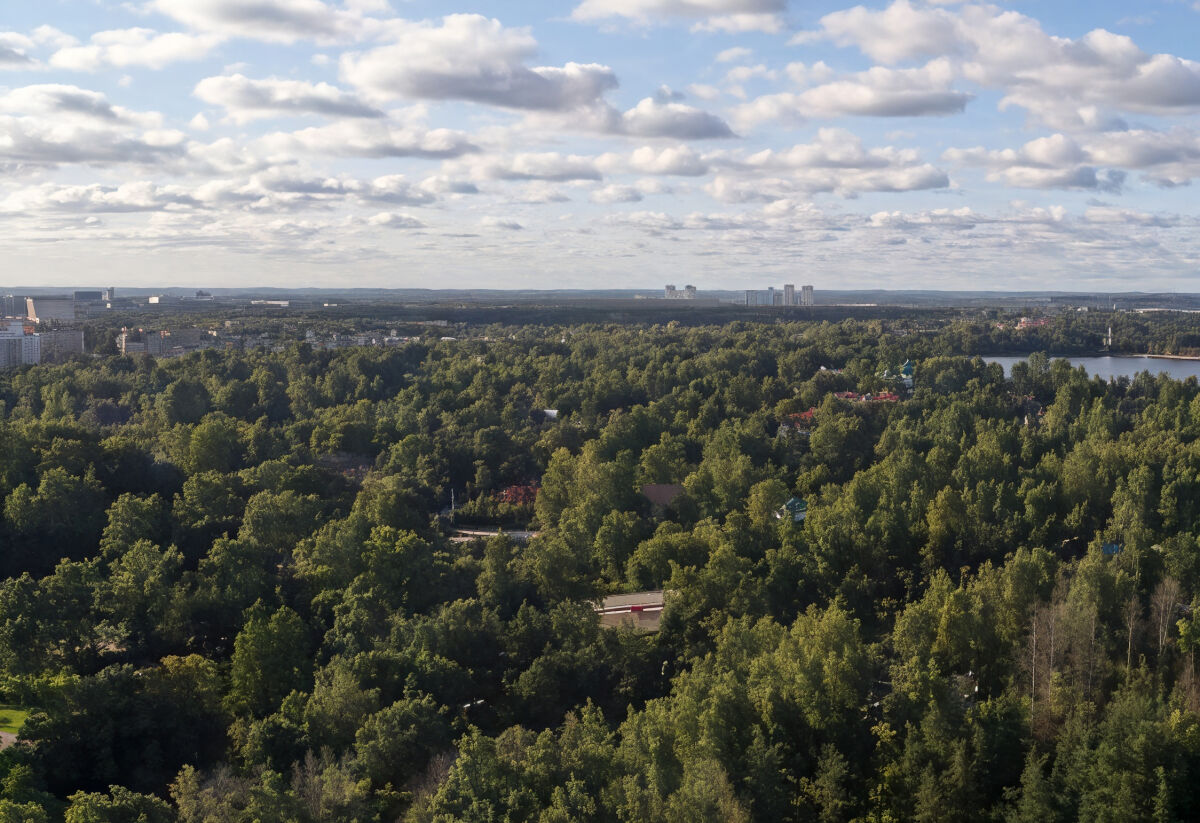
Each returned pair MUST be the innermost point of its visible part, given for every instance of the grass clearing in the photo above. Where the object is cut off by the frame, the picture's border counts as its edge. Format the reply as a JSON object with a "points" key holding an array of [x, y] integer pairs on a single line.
{"points": [[12, 718]]}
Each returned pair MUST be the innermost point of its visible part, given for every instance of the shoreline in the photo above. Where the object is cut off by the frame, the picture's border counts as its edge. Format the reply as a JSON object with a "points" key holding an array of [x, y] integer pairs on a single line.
{"points": [[1184, 357], [1163, 356]]}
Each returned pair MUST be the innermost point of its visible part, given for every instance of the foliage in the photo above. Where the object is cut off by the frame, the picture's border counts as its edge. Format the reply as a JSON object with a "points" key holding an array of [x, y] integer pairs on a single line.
{"points": [[228, 584]]}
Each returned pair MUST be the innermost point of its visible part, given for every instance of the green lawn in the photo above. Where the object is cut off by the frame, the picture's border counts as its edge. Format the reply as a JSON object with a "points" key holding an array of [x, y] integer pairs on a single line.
{"points": [[12, 718]]}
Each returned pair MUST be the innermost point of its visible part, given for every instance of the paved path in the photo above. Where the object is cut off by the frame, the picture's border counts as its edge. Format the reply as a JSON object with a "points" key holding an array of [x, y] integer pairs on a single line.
{"points": [[465, 535]]}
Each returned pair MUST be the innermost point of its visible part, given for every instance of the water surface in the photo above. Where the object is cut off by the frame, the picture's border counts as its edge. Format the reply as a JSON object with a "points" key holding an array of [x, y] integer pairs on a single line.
{"points": [[1118, 366]]}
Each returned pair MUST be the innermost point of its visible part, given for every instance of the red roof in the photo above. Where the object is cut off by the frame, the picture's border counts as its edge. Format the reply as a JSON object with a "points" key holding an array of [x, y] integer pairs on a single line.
{"points": [[519, 494]]}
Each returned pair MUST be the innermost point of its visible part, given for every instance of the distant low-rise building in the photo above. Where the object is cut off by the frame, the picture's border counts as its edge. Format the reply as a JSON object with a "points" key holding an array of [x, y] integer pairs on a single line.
{"points": [[139, 341], [643, 610], [165, 343], [672, 293], [795, 509], [50, 309]]}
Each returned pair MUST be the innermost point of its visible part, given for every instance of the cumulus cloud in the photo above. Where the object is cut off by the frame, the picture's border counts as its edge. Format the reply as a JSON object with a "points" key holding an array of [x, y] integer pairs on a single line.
{"points": [[52, 124], [1070, 84], [287, 189], [609, 195], [545, 166], [139, 196], [395, 189], [653, 118], [740, 23], [371, 138], [679, 161], [898, 32], [836, 162], [1097, 161], [1168, 158], [540, 192], [443, 184], [392, 220], [134, 47], [469, 57], [57, 100], [501, 223], [245, 99], [704, 91], [14, 50], [877, 92], [716, 15], [274, 21], [734, 54]]}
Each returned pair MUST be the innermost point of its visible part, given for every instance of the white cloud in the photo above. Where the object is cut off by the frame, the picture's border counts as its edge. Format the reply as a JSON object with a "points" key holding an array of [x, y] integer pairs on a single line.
{"points": [[546, 166], [469, 57], [134, 47], [138, 196], [1069, 84], [444, 184], [49, 125], [540, 192], [1168, 158], [392, 220], [49, 36], [1098, 161], [395, 189], [56, 100], [370, 138], [877, 92], [741, 23], [898, 32], [680, 161], [501, 223], [1056, 162], [246, 99], [723, 15], [273, 21], [609, 195], [651, 118], [836, 162], [14, 50], [735, 54]]}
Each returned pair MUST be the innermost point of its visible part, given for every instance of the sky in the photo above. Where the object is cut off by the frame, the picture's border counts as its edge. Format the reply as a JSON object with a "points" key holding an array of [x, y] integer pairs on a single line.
{"points": [[934, 144]]}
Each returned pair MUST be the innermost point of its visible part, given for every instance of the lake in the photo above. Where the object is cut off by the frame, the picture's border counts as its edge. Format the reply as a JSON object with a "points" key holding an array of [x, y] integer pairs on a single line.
{"points": [[1120, 366]]}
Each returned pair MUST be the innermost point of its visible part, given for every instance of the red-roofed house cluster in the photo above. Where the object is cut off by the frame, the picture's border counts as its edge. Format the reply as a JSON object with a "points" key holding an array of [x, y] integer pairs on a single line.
{"points": [[1033, 323], [880, 397], [518, 495]]}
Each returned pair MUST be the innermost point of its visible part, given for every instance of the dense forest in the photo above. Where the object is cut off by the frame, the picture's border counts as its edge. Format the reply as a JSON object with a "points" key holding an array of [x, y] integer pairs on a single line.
{"points": [[230, 594], [945, 331]]}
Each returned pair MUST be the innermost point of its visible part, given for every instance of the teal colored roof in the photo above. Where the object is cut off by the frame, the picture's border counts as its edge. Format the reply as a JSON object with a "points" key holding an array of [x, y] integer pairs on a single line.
{"points": [[796, 505]]}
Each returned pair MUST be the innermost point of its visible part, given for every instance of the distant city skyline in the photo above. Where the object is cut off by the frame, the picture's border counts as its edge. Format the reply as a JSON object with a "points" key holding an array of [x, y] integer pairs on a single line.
{"points": [[601, 144]]}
